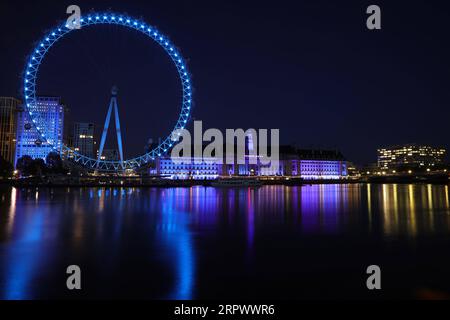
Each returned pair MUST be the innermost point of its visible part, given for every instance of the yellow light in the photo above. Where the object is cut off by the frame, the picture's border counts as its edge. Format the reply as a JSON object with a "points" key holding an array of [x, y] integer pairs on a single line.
{"points": [[428, 170], [409, 171], [393, 171]]}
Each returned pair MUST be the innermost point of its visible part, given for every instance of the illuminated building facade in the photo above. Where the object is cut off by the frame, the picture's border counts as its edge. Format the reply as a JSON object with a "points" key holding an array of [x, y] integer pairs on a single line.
{"points": [[8, 121], [315, 169], [48, 116], [308, 164], [305, 164], [188, 169], [83, 140], [411, 155]]}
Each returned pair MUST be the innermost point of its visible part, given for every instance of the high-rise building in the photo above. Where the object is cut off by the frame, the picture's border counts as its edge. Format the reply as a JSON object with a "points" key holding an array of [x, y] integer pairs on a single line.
{"points": [[83, 140], [8, 123], [411, 155], [48, 117]]}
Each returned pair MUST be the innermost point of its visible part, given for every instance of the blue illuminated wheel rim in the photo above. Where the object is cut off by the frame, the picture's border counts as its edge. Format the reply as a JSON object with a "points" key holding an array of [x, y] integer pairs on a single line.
{"points": [[39, 52]]}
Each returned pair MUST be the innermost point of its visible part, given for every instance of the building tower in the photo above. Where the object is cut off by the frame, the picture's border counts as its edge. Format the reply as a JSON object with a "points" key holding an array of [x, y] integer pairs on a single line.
{"points": [[83, 140], [112, 104], [8, 121], [48, 116]]}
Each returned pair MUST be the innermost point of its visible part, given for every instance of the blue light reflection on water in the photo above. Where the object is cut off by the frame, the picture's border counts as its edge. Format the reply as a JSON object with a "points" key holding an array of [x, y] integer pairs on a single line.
{"points": [[173, 232], [26, 253], [33, 223], [23, 256]]}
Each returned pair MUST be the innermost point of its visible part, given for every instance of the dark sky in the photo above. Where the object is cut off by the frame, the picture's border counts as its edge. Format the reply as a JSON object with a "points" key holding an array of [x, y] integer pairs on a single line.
{"points": [[310, 68]]}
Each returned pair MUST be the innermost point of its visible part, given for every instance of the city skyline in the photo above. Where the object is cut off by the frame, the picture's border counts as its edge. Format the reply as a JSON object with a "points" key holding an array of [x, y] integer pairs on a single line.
{"points": [[311, 110], [83, 137], [231, 158]]}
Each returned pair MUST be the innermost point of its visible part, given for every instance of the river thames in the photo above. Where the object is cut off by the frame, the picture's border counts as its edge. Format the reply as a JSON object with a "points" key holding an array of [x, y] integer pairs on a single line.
{"points": [[272, 242]]}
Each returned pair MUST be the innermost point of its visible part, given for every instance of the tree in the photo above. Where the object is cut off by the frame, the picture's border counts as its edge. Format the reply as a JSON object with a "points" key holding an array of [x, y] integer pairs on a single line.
{"points": [[6, 168], [24, 165], [28, 166], [38, 167], [54, 163]]}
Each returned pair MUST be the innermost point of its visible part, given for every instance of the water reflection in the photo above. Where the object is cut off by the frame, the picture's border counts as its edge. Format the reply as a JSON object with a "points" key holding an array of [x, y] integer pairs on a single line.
{"points": [[250, 218], [413, 209], [174, 235], [25, 253], [166, 230], [369, 204], [412, 225]]}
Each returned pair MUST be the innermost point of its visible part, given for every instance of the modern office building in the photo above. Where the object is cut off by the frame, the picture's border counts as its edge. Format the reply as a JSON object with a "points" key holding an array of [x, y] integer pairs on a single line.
{"points": [[48, 117], [410, 155], [82, 139], [9, 108]]}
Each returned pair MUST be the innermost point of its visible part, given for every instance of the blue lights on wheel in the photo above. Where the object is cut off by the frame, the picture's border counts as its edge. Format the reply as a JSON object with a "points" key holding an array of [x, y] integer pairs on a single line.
{"points": [[31, 76]]}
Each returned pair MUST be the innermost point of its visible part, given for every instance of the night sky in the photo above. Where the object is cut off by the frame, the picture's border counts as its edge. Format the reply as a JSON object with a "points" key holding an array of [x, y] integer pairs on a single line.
{"points": [[310, 68]]}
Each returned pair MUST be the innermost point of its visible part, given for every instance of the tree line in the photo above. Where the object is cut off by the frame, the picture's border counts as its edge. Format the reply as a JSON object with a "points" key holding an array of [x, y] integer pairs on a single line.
{"points": [[27, 166]]}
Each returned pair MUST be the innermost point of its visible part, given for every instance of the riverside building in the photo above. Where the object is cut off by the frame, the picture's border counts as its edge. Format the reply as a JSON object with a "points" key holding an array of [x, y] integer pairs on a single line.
{"points": [[410, 155], [48, 117], [301, 163]]}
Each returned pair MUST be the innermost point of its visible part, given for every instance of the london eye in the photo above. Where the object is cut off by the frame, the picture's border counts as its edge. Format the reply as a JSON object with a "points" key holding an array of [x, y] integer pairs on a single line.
{"points": [[134, 25]]}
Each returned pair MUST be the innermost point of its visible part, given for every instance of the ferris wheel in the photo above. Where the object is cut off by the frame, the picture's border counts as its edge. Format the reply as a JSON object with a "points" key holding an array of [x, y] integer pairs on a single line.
{"points": [[134, 25]]}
